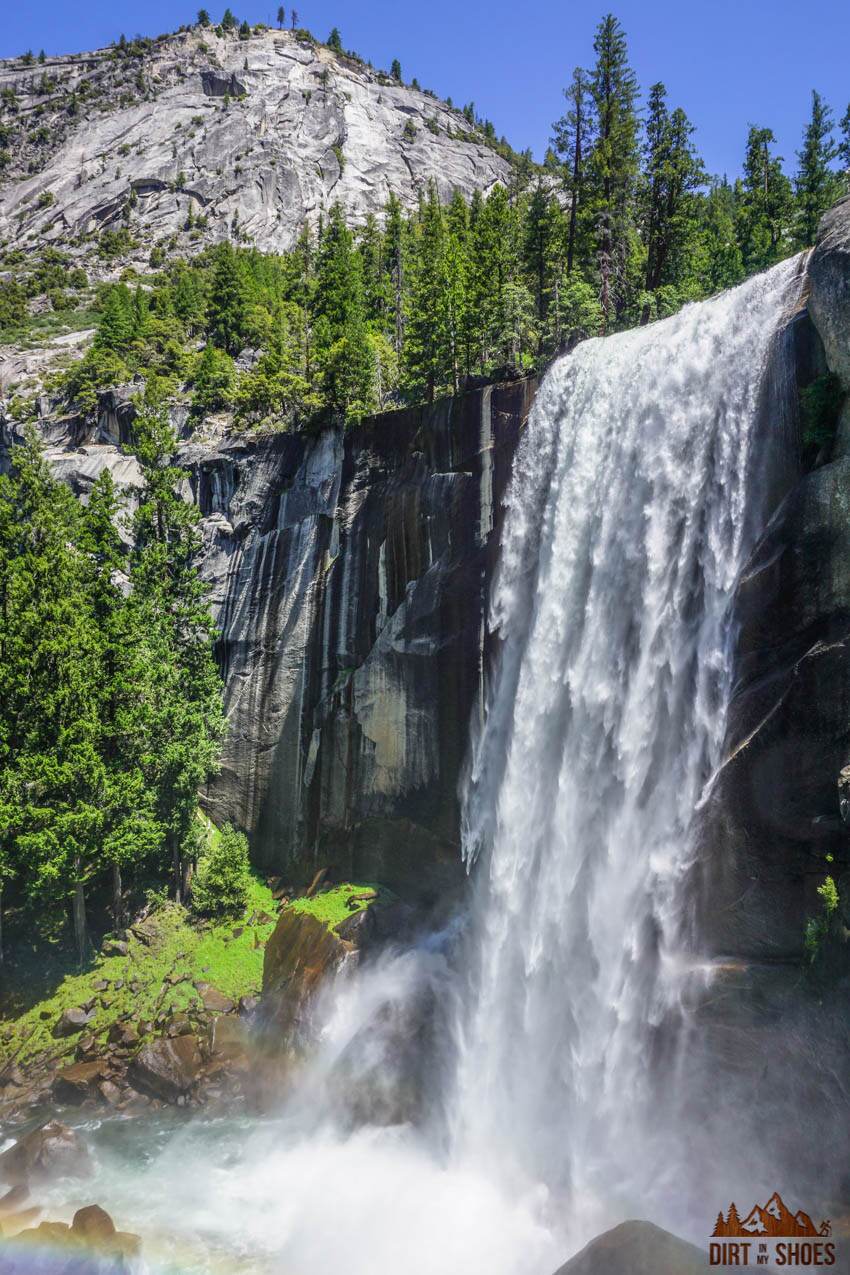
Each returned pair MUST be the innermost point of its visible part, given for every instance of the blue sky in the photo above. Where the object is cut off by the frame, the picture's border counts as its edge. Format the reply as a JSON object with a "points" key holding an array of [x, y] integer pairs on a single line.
{"points": [[728, 63]]}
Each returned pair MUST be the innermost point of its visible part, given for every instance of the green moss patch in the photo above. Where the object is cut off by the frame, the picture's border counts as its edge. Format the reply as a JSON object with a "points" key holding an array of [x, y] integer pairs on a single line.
{"points": [[157, 976], [337, 904]]}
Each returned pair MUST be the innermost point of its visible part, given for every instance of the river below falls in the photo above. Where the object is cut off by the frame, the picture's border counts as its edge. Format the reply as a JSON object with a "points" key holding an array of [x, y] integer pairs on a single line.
{"points": [[255, 1195]]}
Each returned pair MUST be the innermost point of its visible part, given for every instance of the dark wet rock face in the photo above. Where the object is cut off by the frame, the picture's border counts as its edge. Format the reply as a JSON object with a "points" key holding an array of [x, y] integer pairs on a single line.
{"points": [[350, 577]]}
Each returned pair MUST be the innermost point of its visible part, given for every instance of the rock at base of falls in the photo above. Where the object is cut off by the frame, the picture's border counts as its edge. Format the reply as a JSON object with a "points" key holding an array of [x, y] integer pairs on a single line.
{"points": [[636, 1248]]}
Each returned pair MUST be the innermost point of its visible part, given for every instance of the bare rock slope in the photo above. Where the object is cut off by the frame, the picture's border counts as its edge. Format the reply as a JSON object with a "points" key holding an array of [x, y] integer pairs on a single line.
{"points": [[251, 136]]}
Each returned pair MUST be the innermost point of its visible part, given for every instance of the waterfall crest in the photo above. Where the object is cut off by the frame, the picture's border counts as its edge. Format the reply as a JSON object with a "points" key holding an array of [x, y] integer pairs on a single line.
{"points": [[628, 519]]}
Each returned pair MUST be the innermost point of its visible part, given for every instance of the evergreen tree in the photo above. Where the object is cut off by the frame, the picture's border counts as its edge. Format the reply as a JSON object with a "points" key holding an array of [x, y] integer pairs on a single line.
{"points": [[572, 141], [673, 173], [335, 40], [431, 336], [395, 70], [538, 254], [816, 185], [228, 21], [130, 831], [765, 204], [228, 304], [220, 886], [395, 248], [844, 142], [717, 252], [116, 324], [203, 18], [186, 718], [613, 164], [281, 17], [50, 816]]}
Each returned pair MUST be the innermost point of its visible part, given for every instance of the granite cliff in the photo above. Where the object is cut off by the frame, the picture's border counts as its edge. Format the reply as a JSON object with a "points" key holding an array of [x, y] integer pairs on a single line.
{"points": [[208, 136]]}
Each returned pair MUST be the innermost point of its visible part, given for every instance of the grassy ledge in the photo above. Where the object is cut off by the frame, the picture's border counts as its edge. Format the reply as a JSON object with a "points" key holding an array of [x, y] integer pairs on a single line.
{"points": [[156, 977]]}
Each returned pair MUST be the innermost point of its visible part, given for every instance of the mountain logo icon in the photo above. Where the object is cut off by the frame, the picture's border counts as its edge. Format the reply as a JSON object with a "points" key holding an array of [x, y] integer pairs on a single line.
{"points": [[768, 1221]]}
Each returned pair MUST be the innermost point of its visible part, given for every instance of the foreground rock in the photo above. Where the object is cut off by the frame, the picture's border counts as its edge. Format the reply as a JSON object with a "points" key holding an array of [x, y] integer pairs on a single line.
{"points": [[167, 1068], [89, 1246], [53, 1151], [301, 952], [637, 1248]]}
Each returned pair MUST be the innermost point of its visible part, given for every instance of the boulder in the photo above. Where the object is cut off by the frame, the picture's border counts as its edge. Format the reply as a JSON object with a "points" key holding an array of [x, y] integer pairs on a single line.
{"points": [[93, 1224], [52, 1151], [123, 1034], [167, 1068], [378, 924], [115, 947], [214, 1000], [110, 1093], [229, 1038], [71, 1022], [301, 952], [79, 1081], [637, 1248]]}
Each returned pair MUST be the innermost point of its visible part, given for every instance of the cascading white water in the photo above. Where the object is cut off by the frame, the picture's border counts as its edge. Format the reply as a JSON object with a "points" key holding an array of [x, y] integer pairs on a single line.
{"points": [[628, 519], [629, 515]]}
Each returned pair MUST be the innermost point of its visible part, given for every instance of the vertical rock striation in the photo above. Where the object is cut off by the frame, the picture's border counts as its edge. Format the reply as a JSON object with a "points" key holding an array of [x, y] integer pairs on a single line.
{"points": [[350, 577]]}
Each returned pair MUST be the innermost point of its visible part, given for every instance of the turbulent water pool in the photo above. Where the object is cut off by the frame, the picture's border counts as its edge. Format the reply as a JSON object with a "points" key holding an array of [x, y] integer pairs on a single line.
{"points": [[262, 1196]]}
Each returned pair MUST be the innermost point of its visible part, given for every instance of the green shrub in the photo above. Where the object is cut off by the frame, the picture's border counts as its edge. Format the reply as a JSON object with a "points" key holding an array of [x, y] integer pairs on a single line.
{"points": [[817, 927], [114, 243], [222, 882], [13, 304]]}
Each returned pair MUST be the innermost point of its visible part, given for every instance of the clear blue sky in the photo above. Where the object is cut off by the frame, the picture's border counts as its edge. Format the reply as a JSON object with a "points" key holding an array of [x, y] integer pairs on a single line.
{"points": [[728, 63]]}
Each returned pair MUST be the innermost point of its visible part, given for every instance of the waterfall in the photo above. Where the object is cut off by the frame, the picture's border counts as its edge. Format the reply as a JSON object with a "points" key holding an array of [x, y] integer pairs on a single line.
{"points": [[484, 1104], [628, 519]]}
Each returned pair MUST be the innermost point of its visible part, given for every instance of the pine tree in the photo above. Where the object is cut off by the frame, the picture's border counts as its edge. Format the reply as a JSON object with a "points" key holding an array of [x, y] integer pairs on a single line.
{"points": [[116, 323], [717, 252], [395, 249], [228, 21], [335, 40], [203, 18], [395, 70], [220, 886], [572, 140], [228, 304], [186, 718], [613, 164], [816, 184], [672, 174], [766, 204], [281, 17], [50, 815], [130, 831], [538, 254], [431, 341], [844, 143]]}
